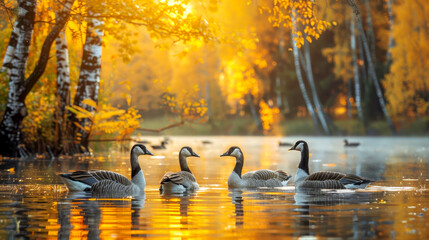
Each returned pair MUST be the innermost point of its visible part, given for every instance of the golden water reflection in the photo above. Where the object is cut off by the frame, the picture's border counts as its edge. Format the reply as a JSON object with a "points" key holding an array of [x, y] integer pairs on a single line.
{"points": [[34, 204]]}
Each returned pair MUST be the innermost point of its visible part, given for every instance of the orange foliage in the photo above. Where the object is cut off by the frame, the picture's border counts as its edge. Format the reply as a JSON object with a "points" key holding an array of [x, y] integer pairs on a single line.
{"points": [[407, 84], [269, 116]]}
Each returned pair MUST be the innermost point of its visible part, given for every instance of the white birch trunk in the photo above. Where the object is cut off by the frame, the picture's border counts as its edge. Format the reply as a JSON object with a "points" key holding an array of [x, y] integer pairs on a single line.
{"points": [[19, 87], [10, 51], [371, 70], [371, 37], [356, 70], [319, 107], [63, 89], [63, 72], [10, 127], [278, 68], [89, 79], [391, 40], [300, 79]]}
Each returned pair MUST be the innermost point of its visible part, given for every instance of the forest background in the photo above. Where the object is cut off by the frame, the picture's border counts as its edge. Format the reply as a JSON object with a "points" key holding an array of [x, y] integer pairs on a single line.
{"points": [[135, 68]]}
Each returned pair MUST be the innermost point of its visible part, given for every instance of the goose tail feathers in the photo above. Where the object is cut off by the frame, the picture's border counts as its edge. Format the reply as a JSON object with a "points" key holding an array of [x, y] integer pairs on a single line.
{"points": [[74, 185]]}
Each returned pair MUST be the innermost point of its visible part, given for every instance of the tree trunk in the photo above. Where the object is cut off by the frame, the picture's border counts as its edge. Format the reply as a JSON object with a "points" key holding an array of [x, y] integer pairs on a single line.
{"points": [[319, 107], [10, 51], [299, 78], [63, 89], [278, 69], [89, 79], [10, 127], [371, 37], [358, 99], [391, 40], [371, 69]]}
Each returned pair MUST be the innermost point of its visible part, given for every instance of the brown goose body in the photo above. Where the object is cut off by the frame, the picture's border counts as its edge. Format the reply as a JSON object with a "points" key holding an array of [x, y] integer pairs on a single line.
{"points": [[254, 179], [183, 181], [323, 179], [102, 182]]}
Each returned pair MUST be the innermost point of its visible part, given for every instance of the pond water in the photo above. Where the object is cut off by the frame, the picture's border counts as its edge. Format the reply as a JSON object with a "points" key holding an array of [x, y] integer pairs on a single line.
{"points": [[35, 204]]}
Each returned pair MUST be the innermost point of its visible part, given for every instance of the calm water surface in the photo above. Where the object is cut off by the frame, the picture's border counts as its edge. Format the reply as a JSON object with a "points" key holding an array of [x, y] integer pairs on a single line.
{"points": [[35, 204]]}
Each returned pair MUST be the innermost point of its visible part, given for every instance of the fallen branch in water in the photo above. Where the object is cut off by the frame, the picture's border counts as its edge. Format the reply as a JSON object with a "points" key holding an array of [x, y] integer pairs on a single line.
{"points": [[162, 129]]}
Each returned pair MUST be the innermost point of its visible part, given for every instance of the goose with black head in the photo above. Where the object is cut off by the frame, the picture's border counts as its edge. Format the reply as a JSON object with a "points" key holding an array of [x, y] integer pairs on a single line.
{"points": [[254, 179], [323, 179]]}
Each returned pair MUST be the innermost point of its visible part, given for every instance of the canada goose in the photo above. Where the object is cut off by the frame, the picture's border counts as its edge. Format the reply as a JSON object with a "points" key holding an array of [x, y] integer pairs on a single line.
{"points": [[259, 178], [285, 144], [143, 142], [350, 144], [325, 179], [180, 182], [102, 182], [162, 146]]}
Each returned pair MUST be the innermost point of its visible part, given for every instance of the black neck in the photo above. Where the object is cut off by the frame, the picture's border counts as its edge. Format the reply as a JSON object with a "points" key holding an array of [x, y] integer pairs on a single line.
{"points": [[239, 165], [183, 164], [303, 164], [135, 166]]}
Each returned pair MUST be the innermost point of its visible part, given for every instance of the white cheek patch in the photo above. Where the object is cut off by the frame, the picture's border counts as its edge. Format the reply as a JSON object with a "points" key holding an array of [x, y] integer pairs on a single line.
{"points": [[300, 147], [138, 150], [236, 153], [186, 152]]}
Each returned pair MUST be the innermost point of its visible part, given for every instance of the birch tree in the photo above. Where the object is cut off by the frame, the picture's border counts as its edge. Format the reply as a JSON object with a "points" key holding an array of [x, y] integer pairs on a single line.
{"points": [[63, 88], [358, 98], [307, 101], [19, 87], [10, 51], [370, 31], [391, 42], [371, 69], [319, 106], [89, 79]]}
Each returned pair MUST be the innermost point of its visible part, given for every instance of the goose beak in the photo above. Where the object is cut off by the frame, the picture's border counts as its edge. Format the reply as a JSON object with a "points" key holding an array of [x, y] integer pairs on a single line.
{"points": [[148, 153], [290, 149], [225, 154], [195, 155]]}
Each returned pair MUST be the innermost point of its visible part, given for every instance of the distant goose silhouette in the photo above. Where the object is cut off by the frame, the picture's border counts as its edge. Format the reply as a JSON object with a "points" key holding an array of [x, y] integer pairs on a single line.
{"points": [[350, 144], [206, 142], [259, 178], [324, 179], [162, 146], [285, 144], [143, 142], [103, 182], [180, 182]]}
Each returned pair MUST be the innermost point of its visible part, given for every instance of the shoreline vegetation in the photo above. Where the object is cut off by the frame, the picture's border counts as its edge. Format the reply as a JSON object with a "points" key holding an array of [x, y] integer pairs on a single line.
{"points": [[285, 127]]}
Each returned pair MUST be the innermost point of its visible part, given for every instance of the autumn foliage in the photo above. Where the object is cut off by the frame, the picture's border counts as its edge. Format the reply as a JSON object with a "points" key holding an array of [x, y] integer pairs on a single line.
{"points": [[217, 61]]}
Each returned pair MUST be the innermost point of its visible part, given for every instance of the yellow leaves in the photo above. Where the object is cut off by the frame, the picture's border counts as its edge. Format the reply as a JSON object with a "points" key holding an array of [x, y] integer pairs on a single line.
{"points": [[90, 102], [269, 115], [186, 104], [407, 83], [107, 119], [284, 11]]}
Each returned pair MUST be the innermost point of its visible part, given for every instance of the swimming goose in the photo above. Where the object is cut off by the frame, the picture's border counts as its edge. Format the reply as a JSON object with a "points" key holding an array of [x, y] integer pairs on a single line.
{"points": [[324, 179], [350, 144], [106, 182], [180, 182], [259, 178], [285, 144], [162, 146]]}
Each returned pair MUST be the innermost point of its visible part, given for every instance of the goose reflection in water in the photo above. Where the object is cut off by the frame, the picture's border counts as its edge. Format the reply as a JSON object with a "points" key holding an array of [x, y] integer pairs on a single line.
{"points": [[319, 211], [237, 200], [83, 204], [184, 200]]}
